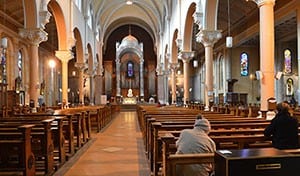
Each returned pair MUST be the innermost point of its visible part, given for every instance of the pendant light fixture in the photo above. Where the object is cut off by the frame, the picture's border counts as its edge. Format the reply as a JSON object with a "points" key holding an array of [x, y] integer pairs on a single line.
{"points": [[129, 2], [228, 38]]}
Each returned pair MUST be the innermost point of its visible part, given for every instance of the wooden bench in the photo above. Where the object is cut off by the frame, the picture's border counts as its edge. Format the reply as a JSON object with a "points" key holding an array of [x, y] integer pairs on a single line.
{"points": [[15, 150], [57, 129], [235, 140], [41, 142]]}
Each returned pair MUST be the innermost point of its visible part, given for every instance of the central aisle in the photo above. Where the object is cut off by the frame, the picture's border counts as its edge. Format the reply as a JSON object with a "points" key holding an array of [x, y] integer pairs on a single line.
{"points": [[117, 151]]}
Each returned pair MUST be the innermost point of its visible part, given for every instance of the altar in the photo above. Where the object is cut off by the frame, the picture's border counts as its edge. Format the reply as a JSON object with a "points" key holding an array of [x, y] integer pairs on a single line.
{"points": [[130, 99]]}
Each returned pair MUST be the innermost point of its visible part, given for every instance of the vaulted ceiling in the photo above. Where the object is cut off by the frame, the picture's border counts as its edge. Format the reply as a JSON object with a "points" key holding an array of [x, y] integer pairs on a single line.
{"points": [[150, 16]]}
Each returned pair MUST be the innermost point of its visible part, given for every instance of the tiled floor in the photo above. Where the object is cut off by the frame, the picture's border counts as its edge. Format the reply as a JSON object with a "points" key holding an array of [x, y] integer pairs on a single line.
{"points": [[118, 150]]}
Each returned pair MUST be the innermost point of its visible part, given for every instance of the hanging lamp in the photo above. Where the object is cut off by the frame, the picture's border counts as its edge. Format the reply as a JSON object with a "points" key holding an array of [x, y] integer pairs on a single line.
{"points": [[228, 38]]}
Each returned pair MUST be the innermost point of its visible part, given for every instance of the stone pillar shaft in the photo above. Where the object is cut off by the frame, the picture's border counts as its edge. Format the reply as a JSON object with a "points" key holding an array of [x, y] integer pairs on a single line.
{"points": [[186, 57], [141, 79], [208, 38], [64, 56], [266, 21], [173, 68], [81, 67], [35, 37], [118, 79]]}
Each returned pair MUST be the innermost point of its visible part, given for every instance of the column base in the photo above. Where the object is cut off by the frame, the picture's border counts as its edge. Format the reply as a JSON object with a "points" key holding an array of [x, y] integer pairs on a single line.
{"points": [[206, 108]]}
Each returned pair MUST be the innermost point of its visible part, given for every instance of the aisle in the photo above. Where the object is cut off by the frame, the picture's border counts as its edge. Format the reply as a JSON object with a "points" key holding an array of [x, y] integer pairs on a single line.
{"points": [[117, 151]]}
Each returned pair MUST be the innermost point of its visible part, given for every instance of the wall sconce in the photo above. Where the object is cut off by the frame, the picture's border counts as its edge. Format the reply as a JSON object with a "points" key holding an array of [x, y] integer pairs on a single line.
{"points": [[4, 43], [195, 63], [52, 63], [259, 75], [229, 42], [252, 77], [73, 73], [278, 75]]}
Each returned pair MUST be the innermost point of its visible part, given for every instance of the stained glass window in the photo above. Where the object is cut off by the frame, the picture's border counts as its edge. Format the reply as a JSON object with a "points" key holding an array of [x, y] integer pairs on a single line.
{"points": [[3, 66], [244, 64], [20, 64], [130, 69], [287, 61]]}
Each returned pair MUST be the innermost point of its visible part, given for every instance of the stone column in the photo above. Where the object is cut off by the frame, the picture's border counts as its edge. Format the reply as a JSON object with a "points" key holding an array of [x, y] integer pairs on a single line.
{"points": [[173, 68], [99, 75], [208, 38], [166, 73], [142, 79], [64, 56], [186, 57], [35, 36], [266, 33], [92, 86], [160, 83], [298, 54], [98, 85], [118, 79], [81, 67]]}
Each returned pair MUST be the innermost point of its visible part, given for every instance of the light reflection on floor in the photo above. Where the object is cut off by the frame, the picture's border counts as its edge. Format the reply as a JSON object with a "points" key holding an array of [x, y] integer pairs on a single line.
{"points": [[118, 151]]}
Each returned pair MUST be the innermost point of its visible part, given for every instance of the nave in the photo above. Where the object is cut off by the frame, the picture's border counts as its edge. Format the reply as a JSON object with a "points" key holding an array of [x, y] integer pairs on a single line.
{"points": [[117, 150]]}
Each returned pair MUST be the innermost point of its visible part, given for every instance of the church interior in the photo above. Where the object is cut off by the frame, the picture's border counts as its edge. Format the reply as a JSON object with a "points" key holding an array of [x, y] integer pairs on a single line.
{"points": [[72, 71]]}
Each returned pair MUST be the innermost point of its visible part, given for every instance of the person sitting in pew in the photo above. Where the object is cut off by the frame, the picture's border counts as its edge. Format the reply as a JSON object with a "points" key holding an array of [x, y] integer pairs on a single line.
{"points": [[195, 140], [283, 128]]}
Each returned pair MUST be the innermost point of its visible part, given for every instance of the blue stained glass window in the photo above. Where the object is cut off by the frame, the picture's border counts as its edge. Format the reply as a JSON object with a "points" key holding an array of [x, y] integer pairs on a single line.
{"points": [[244, 64], [130, 69], [20, 65]]}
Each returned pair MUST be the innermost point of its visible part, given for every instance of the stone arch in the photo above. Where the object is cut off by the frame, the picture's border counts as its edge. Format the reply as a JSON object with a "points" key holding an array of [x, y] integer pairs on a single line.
{"points": [[60, 25], [31, 11], [90, 58], [188, 28], [210, 15], [79, 46], [174, 49], [129, 44]]}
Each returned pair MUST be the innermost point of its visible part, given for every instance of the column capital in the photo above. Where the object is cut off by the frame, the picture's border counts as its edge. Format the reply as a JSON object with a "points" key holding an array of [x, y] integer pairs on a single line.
{"points": [[186, 56], [159, 69], [100, 71], [198, 19], [35, 36], [173, 66], [263, 2], [71, 41], [209, 37], [44, 18], [91, 73], [64, 55], [81, 65]]}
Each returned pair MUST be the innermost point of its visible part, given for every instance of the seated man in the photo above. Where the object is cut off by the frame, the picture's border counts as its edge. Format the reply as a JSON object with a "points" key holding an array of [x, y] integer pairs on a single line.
{"points": [[195, 140]]}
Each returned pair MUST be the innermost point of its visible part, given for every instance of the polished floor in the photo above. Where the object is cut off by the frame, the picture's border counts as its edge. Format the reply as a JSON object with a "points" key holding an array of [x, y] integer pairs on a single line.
{"points": [[117, 150]]}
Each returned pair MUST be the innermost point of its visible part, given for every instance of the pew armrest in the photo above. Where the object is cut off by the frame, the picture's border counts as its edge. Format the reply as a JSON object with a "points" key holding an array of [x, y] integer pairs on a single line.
{"points": [[192, 158]]}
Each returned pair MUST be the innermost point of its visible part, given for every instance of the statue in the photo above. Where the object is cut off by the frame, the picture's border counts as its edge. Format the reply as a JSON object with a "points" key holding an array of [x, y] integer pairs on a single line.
{"points": [[129, 94]]}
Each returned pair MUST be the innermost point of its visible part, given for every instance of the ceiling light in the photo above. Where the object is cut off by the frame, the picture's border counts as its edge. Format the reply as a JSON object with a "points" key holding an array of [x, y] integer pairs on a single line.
{"points": [[129, 2]]}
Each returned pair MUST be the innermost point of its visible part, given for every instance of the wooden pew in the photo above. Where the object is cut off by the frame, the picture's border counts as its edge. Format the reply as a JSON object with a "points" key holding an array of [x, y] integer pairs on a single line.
{"points": [[241, 140], [41, 142], [170, 159], [15, 142], [57, 129]]}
